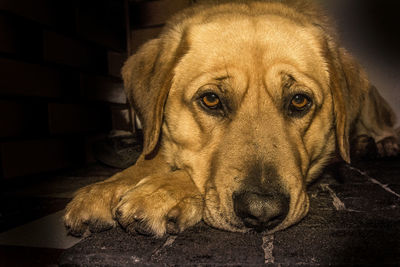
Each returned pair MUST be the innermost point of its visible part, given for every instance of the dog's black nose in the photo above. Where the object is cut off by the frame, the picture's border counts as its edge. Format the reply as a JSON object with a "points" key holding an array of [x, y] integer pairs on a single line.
{"points": [[260, 211]]}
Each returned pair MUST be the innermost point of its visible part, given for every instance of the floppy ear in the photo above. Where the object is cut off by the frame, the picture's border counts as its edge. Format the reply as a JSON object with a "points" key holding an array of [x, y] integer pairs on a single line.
{"points": [[145, 91], [348, 85], [342, 125], [339, 86], [147, 79]]}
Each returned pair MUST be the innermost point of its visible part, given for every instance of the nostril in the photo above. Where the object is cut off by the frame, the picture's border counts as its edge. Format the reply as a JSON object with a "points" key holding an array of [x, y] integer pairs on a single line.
{"points": [[260, 211]]}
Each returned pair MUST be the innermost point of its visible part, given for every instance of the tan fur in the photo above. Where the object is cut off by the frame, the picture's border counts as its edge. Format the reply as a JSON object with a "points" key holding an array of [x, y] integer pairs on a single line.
{"points": [[255, 55]]}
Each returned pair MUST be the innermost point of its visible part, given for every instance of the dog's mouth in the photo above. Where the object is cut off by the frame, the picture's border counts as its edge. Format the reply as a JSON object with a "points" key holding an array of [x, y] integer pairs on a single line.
{"points": [[219, 220], [251, 211], [246, 211]]}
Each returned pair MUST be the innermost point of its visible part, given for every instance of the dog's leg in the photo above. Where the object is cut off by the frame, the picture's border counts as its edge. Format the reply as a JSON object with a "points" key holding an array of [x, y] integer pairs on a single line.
{"points": [[92, 208], [375, 126], [160, 204]]}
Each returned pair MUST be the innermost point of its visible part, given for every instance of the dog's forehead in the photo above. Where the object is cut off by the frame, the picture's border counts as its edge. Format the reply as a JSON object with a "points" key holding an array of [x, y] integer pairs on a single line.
{"points": [[255, 43]]}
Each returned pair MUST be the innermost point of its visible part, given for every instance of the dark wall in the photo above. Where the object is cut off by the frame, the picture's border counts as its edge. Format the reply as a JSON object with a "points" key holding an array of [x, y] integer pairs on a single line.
{"points": [[370, 31], [60, 85]]}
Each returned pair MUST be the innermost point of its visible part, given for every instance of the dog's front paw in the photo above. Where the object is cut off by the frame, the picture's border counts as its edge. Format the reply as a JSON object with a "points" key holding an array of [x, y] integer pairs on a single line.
{"points": [[365, 147], [388, 147], [157, 206], [90, 210]]}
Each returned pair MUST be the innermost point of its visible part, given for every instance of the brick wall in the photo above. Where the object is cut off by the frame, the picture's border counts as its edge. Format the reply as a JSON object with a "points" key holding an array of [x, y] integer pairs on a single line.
{"points": [[60, 85]]}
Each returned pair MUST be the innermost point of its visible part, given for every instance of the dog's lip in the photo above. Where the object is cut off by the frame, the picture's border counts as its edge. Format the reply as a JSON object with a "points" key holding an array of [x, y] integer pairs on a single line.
{"points": [[267, 226], [215, 218]]}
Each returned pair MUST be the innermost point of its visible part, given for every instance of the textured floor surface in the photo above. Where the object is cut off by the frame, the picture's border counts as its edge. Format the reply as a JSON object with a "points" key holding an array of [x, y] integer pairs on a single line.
{"points": [[354, 220]]}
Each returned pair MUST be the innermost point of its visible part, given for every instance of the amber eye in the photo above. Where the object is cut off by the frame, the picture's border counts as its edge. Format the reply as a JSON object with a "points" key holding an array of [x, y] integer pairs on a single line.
{"points": [[211, 101], [300, 102]]}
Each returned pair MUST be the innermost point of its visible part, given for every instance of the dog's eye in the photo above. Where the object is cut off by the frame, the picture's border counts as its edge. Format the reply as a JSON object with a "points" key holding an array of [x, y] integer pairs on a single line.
{"points": [[211, 101], [299, 102]]}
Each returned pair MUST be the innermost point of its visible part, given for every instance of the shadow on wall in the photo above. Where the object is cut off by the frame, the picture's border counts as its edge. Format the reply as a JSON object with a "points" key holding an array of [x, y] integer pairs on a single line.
{"points": [[373, 22], [370, 31]]}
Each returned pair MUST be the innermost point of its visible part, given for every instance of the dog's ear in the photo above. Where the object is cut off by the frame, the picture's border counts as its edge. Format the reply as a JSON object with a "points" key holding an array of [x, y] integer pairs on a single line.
{"points": [[349, 84], [342, 124], [145, 91], [147, 79]]}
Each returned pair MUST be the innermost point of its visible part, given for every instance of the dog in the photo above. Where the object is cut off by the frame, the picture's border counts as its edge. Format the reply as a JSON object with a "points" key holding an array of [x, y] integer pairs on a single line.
{"points": [[242, 106]]}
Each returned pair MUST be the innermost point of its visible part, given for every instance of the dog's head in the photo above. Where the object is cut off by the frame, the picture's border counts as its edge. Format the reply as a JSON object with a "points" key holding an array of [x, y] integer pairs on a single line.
{"points": [[250, 101]]}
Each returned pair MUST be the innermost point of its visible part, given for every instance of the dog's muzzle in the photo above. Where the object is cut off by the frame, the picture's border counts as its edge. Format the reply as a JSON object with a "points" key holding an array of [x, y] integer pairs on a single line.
{"points": [[261, 211]]}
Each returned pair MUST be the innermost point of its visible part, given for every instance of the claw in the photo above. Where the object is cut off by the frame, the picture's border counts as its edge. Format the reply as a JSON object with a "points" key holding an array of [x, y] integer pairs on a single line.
{"points": [[78, 231], [97, 226], [172, 221], [138, 227], [173, 227], [118, 214], [142, 228]]}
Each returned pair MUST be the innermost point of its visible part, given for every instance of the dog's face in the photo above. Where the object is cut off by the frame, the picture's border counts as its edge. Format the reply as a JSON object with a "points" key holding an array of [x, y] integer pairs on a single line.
{"points": [[249, 113], [249, 116]]}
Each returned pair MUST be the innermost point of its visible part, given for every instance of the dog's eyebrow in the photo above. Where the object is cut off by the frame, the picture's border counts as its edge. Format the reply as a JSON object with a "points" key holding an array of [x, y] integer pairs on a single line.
{"points": [[222, 81], [288, 80], [222, 78]]}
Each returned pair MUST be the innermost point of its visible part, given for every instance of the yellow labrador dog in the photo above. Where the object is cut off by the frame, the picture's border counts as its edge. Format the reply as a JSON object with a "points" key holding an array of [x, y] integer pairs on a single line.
{"points": [[242, 105]]}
